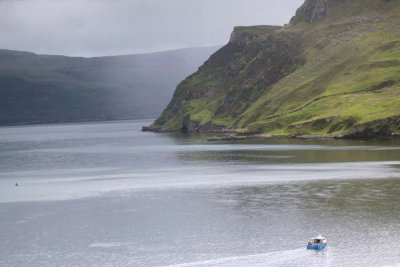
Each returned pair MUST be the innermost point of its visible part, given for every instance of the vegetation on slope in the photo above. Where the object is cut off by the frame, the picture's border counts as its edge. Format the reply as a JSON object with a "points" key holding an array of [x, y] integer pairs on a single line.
{"points": [[335, 70]]}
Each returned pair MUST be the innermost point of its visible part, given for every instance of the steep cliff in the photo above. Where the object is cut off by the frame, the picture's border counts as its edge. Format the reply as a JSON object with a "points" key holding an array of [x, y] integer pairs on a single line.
{"points": [[334, 70]]}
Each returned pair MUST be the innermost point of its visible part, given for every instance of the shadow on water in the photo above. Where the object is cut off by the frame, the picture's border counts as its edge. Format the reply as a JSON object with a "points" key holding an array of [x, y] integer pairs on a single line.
{"points": [[294, 151]]}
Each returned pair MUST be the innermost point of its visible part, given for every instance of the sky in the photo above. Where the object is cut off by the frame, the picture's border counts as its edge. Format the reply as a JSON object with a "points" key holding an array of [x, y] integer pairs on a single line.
{"points": [[116, 27]]}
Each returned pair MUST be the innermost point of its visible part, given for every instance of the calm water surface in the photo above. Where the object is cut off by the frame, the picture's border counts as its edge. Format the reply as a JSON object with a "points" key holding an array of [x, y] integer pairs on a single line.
{"points": [[106, 194]]}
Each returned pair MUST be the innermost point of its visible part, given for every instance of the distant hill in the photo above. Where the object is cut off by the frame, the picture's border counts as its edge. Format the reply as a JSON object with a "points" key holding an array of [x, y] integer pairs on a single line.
{"points": [[334, 71], [46, 89]]}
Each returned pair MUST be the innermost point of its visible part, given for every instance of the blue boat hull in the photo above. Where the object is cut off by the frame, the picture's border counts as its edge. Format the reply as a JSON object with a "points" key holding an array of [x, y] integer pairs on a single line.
{"points": [[317, 247]]}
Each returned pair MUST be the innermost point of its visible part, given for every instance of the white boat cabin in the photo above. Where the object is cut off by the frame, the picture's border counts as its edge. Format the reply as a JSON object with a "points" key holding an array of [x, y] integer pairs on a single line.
{"points": [[317, 240]]}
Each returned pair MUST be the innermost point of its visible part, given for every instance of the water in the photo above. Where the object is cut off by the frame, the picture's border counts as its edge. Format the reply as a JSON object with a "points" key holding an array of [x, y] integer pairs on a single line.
{"points": [[106, 194]]}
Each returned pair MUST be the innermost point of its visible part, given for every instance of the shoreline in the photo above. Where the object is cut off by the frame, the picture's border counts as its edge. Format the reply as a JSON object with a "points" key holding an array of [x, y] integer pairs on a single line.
{"points": [[223, 134]]}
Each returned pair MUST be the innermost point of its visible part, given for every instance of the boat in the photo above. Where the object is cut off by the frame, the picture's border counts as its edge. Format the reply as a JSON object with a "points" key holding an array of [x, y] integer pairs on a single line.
{"points": [[317, 243]]}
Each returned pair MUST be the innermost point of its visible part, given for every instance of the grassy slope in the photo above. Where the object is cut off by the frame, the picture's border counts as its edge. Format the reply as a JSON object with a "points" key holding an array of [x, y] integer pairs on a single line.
{"points": [[340, 73]]}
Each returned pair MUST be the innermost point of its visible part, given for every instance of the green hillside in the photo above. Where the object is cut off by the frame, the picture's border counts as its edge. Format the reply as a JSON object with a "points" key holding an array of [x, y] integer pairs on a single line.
{"points": [[39, 88], [334, 71]]}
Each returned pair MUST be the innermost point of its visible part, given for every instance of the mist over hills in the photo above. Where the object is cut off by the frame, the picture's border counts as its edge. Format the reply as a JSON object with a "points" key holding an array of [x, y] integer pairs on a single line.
{"points": [[47, 89]]}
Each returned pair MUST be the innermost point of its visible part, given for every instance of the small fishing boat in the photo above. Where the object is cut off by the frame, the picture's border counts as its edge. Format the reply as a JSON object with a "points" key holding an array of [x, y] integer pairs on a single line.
{"points": [[317, 243]]}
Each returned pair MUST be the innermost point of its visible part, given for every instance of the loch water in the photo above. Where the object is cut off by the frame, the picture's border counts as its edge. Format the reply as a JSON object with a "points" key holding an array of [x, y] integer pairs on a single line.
{"points": [[107, 194]]}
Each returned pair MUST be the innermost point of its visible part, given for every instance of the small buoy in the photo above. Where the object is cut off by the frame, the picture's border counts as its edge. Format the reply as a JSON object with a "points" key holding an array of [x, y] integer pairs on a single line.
{"points": [[16, 184]]}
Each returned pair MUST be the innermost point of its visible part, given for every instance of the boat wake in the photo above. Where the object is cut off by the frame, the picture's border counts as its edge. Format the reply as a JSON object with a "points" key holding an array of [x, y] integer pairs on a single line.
{"points": [[295, 257]]}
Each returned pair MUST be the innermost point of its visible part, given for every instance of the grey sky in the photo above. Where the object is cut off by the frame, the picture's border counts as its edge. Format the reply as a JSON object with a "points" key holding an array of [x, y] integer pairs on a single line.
{"points": [[112, 27]]}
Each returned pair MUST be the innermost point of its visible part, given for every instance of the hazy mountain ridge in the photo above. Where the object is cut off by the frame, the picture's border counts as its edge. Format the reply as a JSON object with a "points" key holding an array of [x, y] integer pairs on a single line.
{"points": [[334, 70], [43, 88]]}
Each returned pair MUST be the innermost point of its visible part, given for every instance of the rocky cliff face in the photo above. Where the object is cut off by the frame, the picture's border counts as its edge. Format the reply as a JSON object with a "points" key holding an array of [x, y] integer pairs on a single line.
{"points": [[313, 10], [337, 77], [244, 35]]}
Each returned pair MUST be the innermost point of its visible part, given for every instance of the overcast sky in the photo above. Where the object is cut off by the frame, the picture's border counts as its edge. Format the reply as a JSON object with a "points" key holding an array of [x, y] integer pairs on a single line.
{"points": [[115, 27]]}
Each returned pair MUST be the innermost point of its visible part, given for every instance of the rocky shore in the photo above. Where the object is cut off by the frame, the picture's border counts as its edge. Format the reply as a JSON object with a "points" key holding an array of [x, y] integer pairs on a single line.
{"points": [[378, 129]]}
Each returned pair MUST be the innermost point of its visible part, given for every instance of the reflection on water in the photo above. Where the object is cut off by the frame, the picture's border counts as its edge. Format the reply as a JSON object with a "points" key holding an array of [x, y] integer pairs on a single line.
{"points": [[127, 198]]}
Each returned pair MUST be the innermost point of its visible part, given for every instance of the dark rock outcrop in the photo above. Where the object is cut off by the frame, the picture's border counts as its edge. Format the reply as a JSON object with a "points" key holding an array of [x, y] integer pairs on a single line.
{"points": [[388, 127]]}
